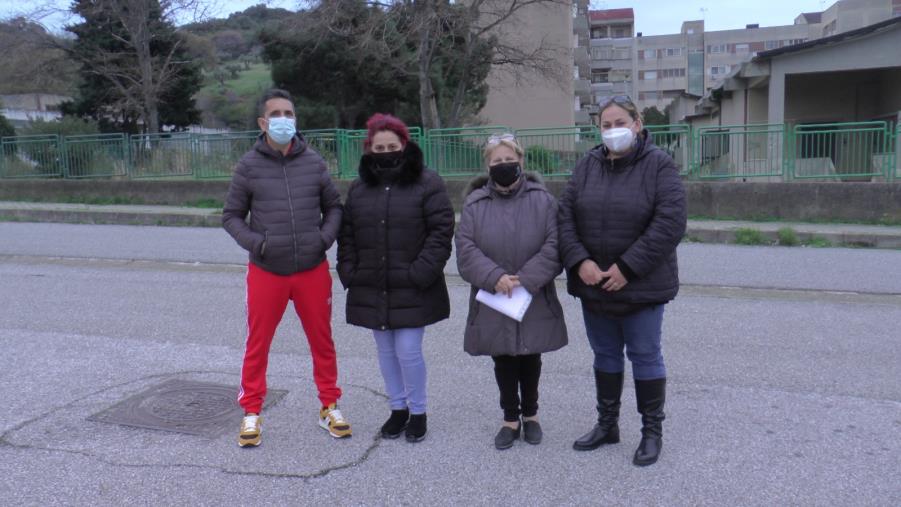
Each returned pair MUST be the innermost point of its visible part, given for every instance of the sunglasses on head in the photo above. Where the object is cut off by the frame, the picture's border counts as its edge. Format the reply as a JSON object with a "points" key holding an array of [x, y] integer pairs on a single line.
{"points": [[623, 100], [496, 138]]}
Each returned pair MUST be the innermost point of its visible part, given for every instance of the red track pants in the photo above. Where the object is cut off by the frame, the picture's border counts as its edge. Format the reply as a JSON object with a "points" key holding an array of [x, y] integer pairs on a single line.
{"points": [[267, 298]]}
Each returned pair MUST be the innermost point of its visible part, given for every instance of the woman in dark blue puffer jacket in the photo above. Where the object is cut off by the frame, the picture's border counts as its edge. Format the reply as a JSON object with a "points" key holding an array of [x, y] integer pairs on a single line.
{"points": [[621, 218]]}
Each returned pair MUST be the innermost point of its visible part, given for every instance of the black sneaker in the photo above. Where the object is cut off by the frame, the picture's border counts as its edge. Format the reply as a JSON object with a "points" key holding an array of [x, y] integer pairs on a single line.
{"points": [[395, 424], [531, 432], [506, 436], [416, 428]]}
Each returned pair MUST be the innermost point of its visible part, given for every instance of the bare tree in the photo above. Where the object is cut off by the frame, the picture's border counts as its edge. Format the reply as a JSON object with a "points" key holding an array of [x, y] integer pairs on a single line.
{"points": [[137, 75], [425, 24]]}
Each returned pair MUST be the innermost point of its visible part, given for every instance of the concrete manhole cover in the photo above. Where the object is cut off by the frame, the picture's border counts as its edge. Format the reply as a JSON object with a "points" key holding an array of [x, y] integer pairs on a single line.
{"points": [[183, 406]]}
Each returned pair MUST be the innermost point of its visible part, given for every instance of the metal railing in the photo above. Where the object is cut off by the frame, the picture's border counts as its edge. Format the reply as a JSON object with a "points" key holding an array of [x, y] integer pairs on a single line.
{"points": [[458, 151], [738, 151], [861, 151], [845, 151]]}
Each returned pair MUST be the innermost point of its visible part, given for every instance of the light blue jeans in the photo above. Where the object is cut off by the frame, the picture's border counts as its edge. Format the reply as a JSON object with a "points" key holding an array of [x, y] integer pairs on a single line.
{"points": [[403, 367]]}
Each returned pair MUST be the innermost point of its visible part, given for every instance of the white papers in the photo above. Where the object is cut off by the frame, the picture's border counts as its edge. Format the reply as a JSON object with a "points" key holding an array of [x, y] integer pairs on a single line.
{"points": [[514, 307]]}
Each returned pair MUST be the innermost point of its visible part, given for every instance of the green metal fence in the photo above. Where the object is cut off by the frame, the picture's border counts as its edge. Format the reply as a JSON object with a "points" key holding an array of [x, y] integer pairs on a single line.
{"points": [[325, 142], [37, 156], [739, 151], [94, 156], [161, 155], [862, 151], [553, 152], [896, 147], [456, 152], [215, 155], [845, 151], [675, 140]]}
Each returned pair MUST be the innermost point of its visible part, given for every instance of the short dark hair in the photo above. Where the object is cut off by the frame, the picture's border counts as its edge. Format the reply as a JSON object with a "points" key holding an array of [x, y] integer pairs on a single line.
{"points": [[272, 93]]}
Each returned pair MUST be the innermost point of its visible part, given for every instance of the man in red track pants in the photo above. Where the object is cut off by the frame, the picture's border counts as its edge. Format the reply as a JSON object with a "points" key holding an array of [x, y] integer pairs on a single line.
{"points": [[295, 213]]}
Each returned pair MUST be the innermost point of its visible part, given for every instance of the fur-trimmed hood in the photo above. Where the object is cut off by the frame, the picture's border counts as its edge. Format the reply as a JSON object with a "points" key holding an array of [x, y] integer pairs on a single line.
{"points": [[410, 172], [481, 182]]}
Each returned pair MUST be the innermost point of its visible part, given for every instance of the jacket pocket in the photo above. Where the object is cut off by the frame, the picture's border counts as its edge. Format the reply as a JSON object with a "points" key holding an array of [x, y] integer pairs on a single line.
{"points": [[264, 244], [473, 308]]}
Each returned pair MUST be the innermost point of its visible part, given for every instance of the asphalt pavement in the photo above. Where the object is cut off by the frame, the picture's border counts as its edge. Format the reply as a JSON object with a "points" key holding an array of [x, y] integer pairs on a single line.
{"points": [[784, 386]]}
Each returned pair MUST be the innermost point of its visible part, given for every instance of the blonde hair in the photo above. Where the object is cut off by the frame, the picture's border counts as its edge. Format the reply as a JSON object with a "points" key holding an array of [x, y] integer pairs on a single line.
{"points": [[509, 143]]}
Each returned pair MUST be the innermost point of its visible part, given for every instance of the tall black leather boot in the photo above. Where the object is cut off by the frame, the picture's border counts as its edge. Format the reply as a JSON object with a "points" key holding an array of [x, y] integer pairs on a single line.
{"points": [[650, 396], [609, 388]]}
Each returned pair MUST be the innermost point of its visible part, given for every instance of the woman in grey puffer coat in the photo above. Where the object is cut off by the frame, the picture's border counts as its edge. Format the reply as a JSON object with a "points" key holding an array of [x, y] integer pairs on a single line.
{"points": [[506, 241]]}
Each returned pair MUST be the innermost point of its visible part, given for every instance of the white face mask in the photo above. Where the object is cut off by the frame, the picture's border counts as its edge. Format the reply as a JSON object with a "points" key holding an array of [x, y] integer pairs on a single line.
{"points": [[281, 129], [618, 140]]}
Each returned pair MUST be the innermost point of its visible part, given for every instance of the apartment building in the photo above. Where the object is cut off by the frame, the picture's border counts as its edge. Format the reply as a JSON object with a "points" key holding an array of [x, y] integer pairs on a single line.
{"points": [[654, 70]]}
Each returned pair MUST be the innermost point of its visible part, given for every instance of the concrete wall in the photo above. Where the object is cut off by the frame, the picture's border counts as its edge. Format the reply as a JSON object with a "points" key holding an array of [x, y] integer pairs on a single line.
{"points": [[534, 101], [855, 202], [879, 50]]}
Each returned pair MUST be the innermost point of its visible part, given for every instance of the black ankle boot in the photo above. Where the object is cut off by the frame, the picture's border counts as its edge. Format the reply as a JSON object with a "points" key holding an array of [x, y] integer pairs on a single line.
{"points": [[650, 396], [395, 424], [416, 428], [609, 388]]}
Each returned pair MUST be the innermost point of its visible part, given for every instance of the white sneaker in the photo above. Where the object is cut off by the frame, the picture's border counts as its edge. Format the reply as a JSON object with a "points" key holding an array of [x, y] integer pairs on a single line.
{"points": [[331, 420], [251, 428]]}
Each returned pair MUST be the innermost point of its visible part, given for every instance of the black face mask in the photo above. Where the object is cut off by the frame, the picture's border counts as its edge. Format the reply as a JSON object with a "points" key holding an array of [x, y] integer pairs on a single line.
{"points": [[505, 174], [387, 159]]}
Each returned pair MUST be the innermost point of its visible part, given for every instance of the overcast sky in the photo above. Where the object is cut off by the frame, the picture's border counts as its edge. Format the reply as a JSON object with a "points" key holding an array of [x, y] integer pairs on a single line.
{"points": [[652, 17]]}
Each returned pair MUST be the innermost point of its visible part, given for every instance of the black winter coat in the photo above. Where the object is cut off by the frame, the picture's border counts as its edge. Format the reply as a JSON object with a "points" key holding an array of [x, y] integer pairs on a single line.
{"points": [[629, 211], [295, 210], [395, 240]]}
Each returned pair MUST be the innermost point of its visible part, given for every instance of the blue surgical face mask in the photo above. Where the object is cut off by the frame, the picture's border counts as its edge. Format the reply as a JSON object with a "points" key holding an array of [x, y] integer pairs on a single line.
{"points": [[281, 129]]}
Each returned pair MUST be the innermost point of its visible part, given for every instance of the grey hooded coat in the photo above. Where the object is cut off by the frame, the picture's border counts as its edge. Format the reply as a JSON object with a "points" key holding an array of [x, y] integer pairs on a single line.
{"points": [[512, 234]]}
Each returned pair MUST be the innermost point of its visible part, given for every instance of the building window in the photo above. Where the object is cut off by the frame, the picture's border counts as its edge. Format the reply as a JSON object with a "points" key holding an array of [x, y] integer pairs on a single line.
{"points": [[719, 70], [598, 33], [649, 75], [650, 54], [742, 48], [621, 31], [671, 73], [600, 77], [673, 51], [792, 42], [773, 44], [716, 48]]}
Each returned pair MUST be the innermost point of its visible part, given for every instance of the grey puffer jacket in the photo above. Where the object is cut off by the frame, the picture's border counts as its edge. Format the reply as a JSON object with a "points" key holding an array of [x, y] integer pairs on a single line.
{"points": [[295, 210], [512, 234], [629, 211]]}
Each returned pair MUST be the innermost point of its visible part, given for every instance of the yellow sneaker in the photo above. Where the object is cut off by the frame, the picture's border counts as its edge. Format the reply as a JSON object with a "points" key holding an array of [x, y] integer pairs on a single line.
{"points": [[251, 427], [331, 420]]}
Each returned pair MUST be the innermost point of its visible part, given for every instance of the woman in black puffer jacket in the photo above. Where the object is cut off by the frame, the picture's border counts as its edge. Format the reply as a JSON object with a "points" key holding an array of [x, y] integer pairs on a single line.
{"points": [[621, 217], [395, 240]]}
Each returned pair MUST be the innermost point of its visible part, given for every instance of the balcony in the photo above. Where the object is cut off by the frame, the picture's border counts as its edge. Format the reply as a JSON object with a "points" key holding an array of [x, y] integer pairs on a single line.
{"points": [[582, 87], [582, 117], [580, 24]]}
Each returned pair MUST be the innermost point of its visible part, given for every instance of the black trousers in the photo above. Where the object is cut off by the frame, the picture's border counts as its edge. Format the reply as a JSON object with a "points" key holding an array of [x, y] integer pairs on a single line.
{"points": [[517, 375]]}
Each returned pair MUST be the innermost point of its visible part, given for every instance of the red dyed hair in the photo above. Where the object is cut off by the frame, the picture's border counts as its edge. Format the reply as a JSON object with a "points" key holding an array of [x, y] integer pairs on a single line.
{"points": [[380, 122]]}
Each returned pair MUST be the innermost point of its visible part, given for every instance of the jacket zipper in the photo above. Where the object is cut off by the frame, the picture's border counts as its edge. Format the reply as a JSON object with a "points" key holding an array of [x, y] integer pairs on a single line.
{"points": [[291, 209], [604, 210]]}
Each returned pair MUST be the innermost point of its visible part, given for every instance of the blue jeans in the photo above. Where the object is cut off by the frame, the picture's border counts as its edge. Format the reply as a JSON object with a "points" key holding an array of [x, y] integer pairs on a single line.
{"points": [[403, 367], [639, 333]]}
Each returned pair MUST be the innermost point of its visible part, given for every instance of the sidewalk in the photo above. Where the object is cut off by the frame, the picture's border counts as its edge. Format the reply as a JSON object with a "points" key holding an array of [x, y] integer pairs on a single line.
{"points": [[707, 231]]}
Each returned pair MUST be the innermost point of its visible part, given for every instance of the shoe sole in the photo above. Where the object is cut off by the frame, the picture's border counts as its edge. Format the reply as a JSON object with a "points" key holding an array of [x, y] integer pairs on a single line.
{"points": [[413, 440], [323, 423], [249, 442], [593, 447], [532, 442]]}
